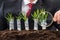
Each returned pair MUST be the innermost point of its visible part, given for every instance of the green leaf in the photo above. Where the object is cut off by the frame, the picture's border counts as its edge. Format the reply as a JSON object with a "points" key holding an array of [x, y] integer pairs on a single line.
{"points": [[24, 18], [46, 15]]}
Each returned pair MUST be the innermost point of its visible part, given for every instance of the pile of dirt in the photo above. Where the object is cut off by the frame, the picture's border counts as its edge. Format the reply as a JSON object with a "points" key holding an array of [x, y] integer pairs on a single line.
{"points": [[29, 35]]}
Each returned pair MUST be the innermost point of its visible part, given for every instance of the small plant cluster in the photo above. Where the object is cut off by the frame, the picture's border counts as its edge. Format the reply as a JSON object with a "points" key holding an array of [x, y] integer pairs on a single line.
{"points": [[39, 14]]}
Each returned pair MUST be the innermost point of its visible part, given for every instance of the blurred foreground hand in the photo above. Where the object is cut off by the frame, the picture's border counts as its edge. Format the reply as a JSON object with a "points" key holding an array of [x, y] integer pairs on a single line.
{"points": [[57, 17]]}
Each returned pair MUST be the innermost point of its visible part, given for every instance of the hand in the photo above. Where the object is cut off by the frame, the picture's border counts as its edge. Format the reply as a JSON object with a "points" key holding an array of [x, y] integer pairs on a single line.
{"points": [[57, 17]]}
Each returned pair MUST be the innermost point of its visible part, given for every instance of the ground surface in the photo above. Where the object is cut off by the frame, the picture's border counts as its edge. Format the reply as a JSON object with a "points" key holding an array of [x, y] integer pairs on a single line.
{"points": [[29, 35]]}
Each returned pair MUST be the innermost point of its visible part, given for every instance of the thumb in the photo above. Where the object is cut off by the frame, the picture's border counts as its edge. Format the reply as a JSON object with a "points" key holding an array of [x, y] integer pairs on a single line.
{"points": [[56, 16], [54, 19]]}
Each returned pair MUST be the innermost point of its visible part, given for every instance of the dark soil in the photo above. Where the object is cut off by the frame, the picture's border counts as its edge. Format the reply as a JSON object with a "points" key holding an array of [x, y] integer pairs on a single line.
{"points": [[29, 35]]}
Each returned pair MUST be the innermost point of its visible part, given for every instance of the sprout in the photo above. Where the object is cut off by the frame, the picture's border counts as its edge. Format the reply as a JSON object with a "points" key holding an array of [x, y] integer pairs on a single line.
{"points": [[20, 16], [9, 16], [43, 15], [24, 17], [35, 15]]}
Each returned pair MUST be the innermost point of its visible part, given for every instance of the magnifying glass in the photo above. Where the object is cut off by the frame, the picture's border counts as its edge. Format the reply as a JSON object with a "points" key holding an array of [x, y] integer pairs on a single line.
{"points": [[45, 20]]}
